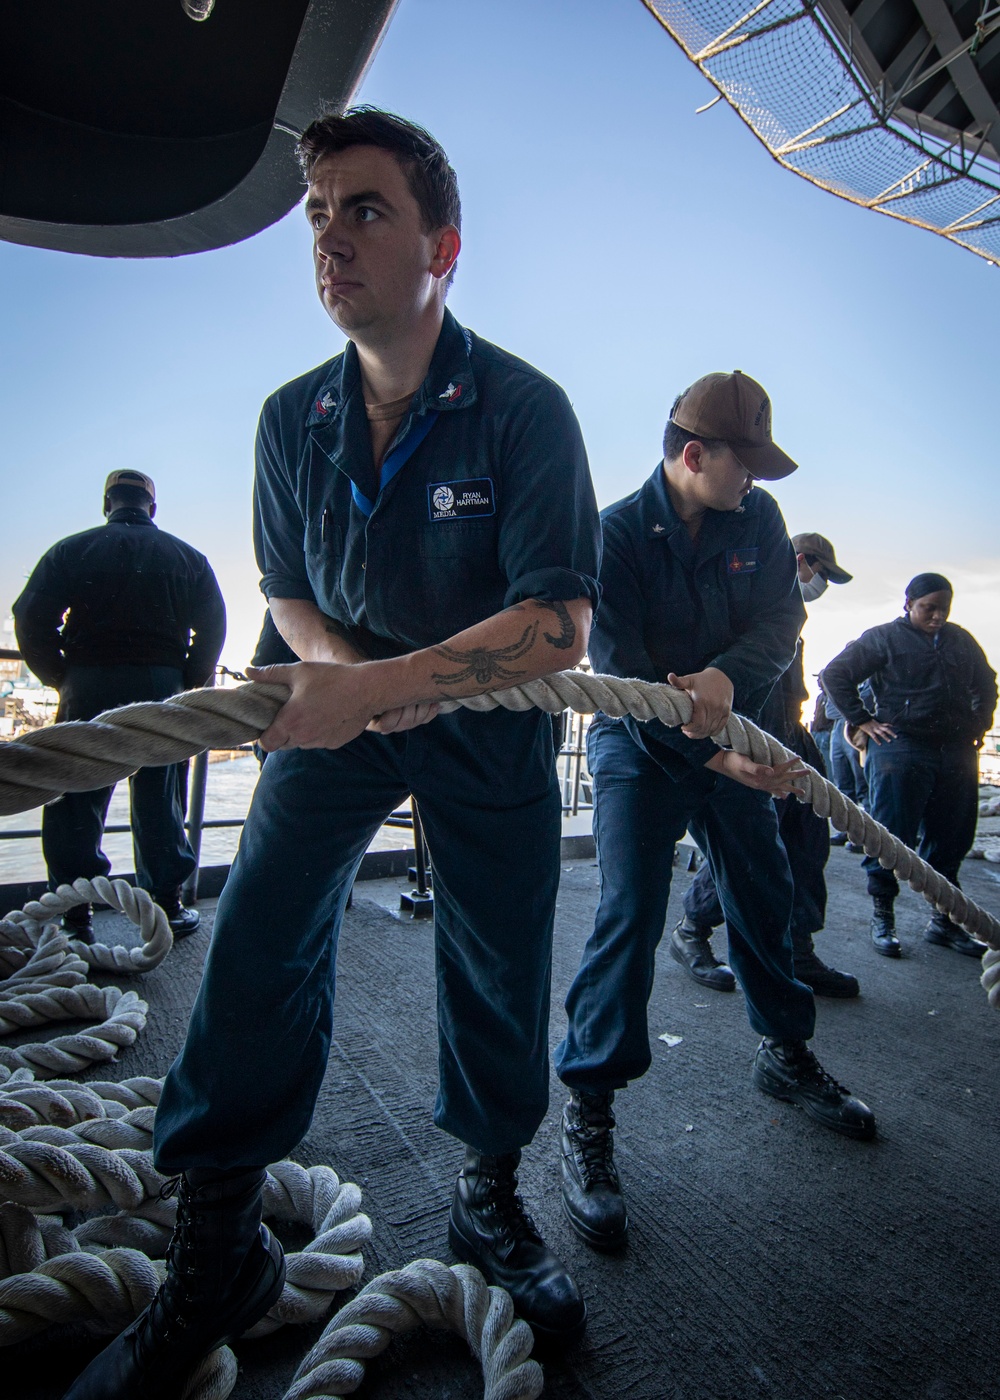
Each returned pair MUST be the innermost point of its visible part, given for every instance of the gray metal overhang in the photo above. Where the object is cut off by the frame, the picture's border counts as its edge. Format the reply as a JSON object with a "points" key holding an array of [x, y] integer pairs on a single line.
{"points": [[128, 130], [935, 64]]}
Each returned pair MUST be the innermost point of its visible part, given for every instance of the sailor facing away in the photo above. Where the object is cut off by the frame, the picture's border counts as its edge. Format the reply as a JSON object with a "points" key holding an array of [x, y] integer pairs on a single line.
{"points": [[121, 613], [426, 529], [699, 589]]}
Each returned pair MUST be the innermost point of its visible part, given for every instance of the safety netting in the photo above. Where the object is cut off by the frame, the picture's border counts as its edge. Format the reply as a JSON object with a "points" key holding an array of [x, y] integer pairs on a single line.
{"points": [[789, 76]]}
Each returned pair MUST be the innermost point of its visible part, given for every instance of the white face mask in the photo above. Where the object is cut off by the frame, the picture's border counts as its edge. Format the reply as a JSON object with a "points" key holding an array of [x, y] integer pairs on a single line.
{"points": [[814, 589]]}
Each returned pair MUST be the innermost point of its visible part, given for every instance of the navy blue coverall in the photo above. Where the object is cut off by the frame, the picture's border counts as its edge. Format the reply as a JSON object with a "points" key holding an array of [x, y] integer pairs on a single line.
{"points": [[494, 505], [729, 599], [938, 694], [132, 596]]}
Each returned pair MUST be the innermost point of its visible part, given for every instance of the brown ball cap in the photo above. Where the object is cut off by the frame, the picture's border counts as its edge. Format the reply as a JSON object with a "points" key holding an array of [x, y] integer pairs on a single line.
{"points": [[735, 408], [826, 560], [127, 477]]}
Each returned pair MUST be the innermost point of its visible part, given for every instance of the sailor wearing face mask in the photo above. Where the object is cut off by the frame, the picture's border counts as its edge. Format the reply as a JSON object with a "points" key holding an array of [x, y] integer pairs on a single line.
{"points": [[805, 835]]}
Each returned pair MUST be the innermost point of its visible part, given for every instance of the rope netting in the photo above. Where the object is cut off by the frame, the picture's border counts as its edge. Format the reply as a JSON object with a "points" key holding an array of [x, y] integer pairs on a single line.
{"points": [[803, 92]]}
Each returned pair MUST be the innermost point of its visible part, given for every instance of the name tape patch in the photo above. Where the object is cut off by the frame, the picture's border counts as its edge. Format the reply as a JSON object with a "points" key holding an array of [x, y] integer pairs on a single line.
{"points": [[461, 500], [743, 561]]}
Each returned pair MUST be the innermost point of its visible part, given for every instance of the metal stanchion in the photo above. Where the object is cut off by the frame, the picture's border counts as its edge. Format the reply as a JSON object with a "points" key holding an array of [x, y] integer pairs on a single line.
{"points": [[420, 901], [196, 822], [196, 816]]}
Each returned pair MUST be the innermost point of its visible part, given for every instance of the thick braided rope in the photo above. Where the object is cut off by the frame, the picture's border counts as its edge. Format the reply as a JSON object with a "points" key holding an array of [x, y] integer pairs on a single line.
{"points": [[39, 959], [26, 1103], [49, 985], [125, 1017], [50, 1275], [136, 904], [108, 1162], [53, 1275], [46, 1277], [43, 978], [431, 1294], [96, 753]]}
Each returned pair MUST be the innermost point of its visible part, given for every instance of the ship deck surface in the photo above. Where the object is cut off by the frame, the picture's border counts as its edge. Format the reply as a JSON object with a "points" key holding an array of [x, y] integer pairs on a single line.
{"points": [[769, 1259]]}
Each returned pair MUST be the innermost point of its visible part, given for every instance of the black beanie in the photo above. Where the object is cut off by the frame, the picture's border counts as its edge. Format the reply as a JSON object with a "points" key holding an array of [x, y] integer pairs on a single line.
{"points": [[923, 584]]}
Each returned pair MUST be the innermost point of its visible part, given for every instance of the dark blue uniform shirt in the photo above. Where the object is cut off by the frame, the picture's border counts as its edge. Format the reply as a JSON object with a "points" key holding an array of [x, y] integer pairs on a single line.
{"points": [[494, 505], [936, 688], [124, 593], [729, 599]]}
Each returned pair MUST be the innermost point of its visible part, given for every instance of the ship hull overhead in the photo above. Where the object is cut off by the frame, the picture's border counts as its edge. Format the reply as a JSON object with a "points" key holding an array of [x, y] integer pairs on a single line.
{"points": [[129, 130]]}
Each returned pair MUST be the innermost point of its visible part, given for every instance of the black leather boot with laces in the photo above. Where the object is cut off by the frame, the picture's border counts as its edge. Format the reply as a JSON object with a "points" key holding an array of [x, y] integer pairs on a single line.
{"points": [[591, 1191], [691, 946], [942, 931], [883, 927], [224, 1270], [490, 1228], [788, 1069]]}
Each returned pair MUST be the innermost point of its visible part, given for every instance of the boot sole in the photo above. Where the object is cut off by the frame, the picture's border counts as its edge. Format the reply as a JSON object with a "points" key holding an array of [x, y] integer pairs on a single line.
{"points": [[556, 1338], [887, 952], [858, 1132], [842, 993], [681, 961], [604, 1244]]}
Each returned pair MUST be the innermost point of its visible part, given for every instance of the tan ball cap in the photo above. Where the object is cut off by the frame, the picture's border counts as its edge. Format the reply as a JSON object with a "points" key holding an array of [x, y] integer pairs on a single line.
{"points": [[735, 408], [126, 477], [826, 561]]}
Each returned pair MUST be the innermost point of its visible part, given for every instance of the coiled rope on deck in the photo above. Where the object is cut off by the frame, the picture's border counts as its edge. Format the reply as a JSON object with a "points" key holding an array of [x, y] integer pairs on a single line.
{"points": [[105, 1271], [82, 754], [44, 971]]}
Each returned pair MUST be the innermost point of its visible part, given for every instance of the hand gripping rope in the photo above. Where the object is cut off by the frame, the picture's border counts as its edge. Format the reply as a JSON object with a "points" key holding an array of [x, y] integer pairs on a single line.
{"points": [[84, 754]]}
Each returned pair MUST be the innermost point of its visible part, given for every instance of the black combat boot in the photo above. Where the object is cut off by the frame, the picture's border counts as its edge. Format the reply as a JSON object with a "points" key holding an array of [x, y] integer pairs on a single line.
{"points": [[824, 981], [490, 1228], [591, 1191], [788, 1069], [941, 930], [690, 945], [182, 921], [78, 922], [883, 927], [224, 1270]]}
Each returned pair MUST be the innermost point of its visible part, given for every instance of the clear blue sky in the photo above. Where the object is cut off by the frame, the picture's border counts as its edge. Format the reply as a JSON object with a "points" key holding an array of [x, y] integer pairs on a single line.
{"points": [[612, 237]]}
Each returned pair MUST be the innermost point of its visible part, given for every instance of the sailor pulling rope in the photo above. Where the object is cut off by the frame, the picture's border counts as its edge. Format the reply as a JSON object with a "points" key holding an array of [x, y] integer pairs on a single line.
{"points": [[76, 756]]}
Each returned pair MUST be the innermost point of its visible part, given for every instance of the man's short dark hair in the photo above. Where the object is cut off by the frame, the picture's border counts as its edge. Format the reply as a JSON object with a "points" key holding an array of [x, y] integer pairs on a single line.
{"points": [[132, 496], [675, 438], [432, 182]]}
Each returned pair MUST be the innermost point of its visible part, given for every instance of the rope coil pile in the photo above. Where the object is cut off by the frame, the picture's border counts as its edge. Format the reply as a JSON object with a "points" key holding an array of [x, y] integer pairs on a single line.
{"points": [[105, 1271], [44, 972]]}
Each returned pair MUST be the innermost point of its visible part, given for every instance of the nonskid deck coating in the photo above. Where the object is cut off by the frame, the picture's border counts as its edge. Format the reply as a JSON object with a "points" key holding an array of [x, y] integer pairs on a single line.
{"points": [[769, 1259]]}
